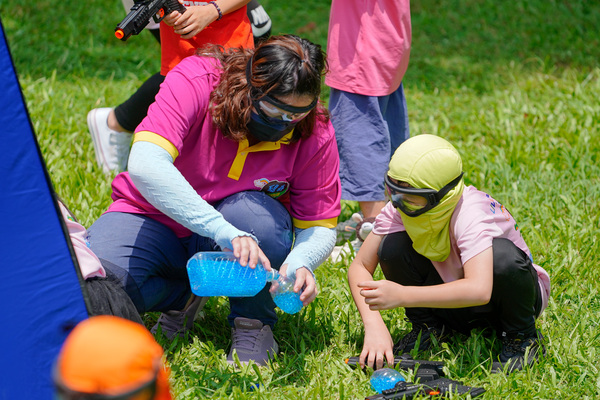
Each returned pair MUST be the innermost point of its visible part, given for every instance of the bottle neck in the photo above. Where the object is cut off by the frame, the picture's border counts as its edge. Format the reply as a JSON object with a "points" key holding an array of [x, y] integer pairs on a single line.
{"points": [[273, 275]]}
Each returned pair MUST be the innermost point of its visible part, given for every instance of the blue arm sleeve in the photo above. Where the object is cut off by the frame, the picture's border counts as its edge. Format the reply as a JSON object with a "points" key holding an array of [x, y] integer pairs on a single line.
{"points": [[152, 171], [312, 246]]}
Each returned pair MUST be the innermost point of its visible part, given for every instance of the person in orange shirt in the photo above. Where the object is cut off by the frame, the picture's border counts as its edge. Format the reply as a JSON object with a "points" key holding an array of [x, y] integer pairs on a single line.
{"points": [[230, 23], [110, 358]]}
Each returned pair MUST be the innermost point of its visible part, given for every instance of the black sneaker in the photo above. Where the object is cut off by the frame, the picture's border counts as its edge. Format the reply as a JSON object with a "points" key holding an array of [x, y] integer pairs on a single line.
{"points": [[421, 334], [176, 323], [515, 347]]}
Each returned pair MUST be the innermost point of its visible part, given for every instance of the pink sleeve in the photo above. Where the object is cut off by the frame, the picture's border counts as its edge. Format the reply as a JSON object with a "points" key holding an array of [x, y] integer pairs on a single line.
{"points": [[88, 261], [315, 186], [474, 234], [544, 281]]}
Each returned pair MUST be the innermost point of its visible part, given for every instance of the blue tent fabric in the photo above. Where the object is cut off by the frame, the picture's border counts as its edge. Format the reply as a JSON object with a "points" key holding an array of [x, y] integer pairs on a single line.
{"points": [[41, 292]]}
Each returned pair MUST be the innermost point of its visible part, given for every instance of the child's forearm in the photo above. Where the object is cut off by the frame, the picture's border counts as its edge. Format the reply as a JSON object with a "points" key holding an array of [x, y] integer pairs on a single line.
{"points": [[227, 6], [358, 273]]}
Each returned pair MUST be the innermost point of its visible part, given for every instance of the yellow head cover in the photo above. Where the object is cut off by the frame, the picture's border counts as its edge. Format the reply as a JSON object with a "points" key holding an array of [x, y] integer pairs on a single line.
{"points": [[429, 162]]}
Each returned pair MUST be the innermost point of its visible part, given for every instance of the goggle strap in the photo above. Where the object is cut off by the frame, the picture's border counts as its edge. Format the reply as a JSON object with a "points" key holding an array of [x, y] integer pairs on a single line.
{"points": [[287, 107], [443, 191]]}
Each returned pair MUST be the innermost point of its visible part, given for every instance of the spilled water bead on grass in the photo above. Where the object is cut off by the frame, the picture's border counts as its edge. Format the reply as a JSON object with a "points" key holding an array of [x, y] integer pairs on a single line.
{"points": [[384, 379]]}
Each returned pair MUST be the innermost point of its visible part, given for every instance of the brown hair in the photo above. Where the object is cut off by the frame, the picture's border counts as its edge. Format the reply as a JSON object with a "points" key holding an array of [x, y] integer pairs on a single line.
{"points": [[280, 66]]}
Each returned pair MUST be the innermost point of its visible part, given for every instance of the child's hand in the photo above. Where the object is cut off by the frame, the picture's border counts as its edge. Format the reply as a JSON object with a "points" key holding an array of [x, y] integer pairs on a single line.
{"points": [[381, 295], [377, 348], [170, 19], [193, 20]]}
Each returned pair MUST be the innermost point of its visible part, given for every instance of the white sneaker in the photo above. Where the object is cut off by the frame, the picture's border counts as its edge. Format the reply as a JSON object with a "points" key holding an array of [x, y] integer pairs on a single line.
{"points": [[111, 147], [345, 252], [349, 248]]}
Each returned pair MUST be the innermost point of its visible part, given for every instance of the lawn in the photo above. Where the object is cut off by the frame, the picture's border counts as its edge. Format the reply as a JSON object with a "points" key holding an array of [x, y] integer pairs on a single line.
{"points": [[514, 85]]}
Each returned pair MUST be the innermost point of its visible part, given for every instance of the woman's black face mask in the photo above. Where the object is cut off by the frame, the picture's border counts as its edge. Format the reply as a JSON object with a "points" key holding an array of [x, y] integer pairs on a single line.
{"points": [[268, 131], [272, 119]]}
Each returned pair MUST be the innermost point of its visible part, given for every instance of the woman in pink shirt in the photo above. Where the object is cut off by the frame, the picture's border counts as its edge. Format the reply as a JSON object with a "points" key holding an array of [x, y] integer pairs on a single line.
{"points": [[235, 153], [452, 256]]}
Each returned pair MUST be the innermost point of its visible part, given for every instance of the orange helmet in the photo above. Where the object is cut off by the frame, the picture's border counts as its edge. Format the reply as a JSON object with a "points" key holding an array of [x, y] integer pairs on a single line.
{"points": [[107, 357]]}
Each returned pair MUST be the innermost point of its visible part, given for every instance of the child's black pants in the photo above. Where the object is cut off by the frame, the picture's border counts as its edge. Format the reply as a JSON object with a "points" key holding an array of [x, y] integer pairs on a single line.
{"points": [[516, 299]]}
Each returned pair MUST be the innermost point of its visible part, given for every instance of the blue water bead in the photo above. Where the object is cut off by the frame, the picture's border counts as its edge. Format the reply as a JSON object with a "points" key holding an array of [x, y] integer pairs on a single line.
{"points": [[220, 274], [288, 302], [384, 379]]}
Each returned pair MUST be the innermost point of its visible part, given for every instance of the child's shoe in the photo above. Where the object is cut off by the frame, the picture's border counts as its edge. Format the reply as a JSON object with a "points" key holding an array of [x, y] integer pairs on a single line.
{"points": [[346, 230], [111, 147], [356, 227], [421, 334], [519, 350]]}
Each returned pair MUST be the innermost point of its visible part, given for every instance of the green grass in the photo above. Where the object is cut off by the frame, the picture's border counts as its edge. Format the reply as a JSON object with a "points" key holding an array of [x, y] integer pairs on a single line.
{"points": [[514, 85]]}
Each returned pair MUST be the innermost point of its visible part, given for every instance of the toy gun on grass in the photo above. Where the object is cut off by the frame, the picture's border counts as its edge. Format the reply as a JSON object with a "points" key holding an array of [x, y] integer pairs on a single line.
{"points": [[140, 14], [431, 382], [436, 387], [435, 369]]}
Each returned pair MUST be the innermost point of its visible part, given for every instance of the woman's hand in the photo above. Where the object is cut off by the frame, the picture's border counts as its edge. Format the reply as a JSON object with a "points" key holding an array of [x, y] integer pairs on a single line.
{"points": [[305, 282], [382, 295], [192, 21], [377, 348], [247, 251]]}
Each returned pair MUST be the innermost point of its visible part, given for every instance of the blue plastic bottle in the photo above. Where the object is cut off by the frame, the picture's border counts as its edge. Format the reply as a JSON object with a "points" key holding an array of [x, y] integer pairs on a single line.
{"points": [[221, 274]]}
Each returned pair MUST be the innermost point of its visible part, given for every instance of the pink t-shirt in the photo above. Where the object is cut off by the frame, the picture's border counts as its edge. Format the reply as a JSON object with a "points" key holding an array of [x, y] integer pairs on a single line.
{"points": [[476, 221], [368, 45], [303, 175]]}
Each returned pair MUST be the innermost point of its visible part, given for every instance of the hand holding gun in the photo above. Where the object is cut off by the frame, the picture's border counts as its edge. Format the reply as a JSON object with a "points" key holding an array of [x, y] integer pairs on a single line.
{"points": [[140, 14], [441, 386]]}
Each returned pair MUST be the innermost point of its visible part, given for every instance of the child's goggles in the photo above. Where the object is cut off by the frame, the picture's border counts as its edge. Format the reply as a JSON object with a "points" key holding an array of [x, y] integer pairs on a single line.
{"points": [[274, 111], [414, 202]]}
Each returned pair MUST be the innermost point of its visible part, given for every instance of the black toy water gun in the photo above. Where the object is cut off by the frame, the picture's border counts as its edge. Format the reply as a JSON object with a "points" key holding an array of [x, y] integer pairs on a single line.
{"points": [[405, 363], [436, 387], [140, 14]]}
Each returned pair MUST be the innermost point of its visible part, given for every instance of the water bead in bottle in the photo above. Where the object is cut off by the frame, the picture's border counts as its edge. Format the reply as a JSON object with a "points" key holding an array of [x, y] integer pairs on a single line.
{"points": [[284, 296], [220, 274]]}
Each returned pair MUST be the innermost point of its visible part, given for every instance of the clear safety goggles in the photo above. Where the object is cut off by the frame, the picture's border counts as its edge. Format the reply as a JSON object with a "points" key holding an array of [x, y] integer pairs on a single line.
{"points": [[413, 201], [275, 111]]}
